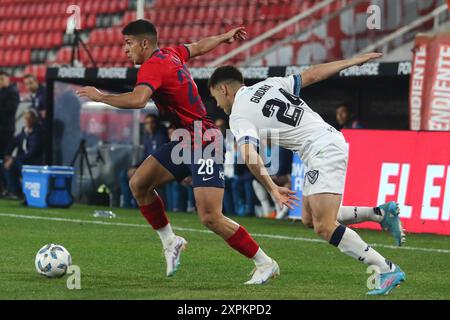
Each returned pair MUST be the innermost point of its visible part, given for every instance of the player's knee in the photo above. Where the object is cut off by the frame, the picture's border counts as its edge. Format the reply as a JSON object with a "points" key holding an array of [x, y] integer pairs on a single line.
{"points": [[324, 230], [308, 223], [208, 222], [137, 185], [209, 219]]}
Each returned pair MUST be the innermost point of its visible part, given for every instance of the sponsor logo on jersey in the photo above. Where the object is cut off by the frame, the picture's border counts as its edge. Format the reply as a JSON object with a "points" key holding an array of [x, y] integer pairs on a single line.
{"points": [[312, 176]]}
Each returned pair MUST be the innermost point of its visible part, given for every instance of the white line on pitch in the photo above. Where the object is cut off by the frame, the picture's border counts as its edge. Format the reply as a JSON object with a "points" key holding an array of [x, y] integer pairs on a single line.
{"points": [[261, 235]]}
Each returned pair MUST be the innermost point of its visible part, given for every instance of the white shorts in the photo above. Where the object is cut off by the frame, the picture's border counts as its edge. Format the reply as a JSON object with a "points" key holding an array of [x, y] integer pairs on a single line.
{"points": [[326, 169]]}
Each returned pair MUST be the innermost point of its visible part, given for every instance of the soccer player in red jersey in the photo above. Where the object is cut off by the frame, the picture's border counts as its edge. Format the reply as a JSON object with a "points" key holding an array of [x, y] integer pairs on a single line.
{"points": [[164, 77]]}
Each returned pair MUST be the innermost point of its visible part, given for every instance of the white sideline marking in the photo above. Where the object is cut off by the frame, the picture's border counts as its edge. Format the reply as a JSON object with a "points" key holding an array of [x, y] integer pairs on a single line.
{"points": [[262, 235]]}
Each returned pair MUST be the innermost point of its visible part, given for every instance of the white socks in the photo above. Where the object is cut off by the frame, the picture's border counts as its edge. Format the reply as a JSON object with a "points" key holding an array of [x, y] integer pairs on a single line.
{"points": [[262, 196], [350, 243], [261, 258], [353, 215], [166, 235]]}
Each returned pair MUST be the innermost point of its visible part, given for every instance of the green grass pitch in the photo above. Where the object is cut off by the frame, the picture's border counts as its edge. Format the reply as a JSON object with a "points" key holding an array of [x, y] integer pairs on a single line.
{"points": [[122, 259]]}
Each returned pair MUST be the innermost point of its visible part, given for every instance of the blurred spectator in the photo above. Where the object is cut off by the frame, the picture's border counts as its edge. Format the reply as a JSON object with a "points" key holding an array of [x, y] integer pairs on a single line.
{"points": [[9, 101], [179, 196], [345, 118], [280, 163], [29, 145], [230, 197], [37, 94], [155, 135], [243, 188]]}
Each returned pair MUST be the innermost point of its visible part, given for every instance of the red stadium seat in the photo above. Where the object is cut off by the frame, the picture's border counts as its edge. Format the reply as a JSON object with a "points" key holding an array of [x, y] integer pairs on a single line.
{"points": [[190, 14], [90, 21], [40, 24], [40, 40], [7, 57], [171, 17], [105, 54], [63, 56], [40, 7], [48, 25], [104, 6], [164, 32], [200, 15], [122, 5], [57, 39], [15, 59], [175, 34], [25, 57], [33, 24]]}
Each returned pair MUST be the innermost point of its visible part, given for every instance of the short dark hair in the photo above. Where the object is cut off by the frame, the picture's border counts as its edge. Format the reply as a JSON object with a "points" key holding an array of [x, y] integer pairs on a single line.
{"points": [[346, 105], [225, 73], [140, 27], [151, 115], [4, 73], [29, 75], [33, 112]]}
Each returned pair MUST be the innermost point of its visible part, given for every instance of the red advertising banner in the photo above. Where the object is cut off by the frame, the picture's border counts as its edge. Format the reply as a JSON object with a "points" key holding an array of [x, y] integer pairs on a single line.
{"points": [[416, 86], [436, 102], [412, 168], [429, 101]]}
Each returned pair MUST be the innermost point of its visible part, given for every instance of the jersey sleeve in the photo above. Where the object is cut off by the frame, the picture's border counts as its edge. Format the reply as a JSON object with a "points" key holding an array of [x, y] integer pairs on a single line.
{"points": [[244, 130], [291, 84], [149, 75], [182, 52]]}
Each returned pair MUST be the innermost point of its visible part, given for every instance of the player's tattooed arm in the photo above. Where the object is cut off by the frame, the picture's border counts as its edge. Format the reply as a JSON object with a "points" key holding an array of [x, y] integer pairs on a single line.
{"points": [[282, 195], [136, 99], [323, 71], [207, 44]]}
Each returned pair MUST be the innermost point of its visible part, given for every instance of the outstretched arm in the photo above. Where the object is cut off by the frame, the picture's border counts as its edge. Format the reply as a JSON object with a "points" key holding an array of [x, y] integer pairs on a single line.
{"points": [[282, 195], [207, 44], [323, 71], [136, 99]]}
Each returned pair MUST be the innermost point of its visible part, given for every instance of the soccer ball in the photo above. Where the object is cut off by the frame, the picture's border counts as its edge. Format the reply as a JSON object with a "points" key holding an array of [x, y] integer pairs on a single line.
{"points": [[52, 260]]}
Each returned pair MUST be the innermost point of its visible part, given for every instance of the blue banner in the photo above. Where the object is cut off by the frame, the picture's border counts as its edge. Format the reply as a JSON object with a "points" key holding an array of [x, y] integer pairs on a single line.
{"points": [[297, 178]]}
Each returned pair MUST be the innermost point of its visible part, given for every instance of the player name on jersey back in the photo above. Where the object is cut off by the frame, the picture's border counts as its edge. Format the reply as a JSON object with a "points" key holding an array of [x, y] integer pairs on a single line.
{"points": [[273, 108], [260, 92]]}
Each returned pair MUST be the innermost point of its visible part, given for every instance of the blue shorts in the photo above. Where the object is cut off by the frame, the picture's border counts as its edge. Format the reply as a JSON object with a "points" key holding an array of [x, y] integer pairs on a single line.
{"points": [[205, 172]]}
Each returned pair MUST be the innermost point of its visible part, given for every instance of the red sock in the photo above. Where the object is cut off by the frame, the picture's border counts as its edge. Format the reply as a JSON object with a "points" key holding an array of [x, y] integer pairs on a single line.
{"points": [[243, 242], [155, 214]]}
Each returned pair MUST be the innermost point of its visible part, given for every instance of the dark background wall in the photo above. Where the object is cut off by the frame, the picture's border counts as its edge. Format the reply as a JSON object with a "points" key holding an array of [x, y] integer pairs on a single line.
{"points": [[379, 102]]}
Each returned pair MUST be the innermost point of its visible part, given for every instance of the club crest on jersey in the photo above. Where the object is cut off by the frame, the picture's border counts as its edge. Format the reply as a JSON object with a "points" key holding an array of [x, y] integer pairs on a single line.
{"points": [[312, 176]]}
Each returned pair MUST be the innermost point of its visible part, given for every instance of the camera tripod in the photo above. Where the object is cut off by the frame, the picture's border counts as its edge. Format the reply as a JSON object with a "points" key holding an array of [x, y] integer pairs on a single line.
{"points": [[81, 153], [76, 49]]}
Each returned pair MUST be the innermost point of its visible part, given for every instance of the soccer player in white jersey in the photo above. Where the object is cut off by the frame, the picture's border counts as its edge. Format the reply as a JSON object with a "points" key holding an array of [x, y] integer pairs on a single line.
{"points": [[274, 105]]}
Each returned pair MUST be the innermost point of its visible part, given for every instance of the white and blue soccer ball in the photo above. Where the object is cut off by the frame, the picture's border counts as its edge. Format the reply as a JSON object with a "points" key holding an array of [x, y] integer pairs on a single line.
{"points": [[52, 260]]}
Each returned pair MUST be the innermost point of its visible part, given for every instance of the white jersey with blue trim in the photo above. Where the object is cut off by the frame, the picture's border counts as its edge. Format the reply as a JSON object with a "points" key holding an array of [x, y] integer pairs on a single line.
{"points": [[273, 106]]}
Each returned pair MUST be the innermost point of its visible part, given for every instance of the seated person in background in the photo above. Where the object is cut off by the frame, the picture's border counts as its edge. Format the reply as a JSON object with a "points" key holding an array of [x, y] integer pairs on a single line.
{"points": [[29, 145], [345, 118], [280, 171], [155, 135]]}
